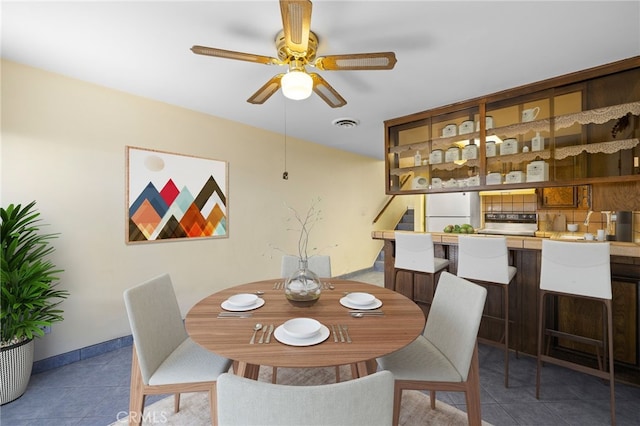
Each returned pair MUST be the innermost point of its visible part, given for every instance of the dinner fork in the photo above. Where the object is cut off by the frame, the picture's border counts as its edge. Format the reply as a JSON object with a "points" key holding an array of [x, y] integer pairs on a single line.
{"points": [[264, 331], [346, 332]]}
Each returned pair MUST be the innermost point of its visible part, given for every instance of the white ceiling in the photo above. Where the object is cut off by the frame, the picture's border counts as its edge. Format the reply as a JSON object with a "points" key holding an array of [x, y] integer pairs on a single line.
{"points": [[447, 51]]}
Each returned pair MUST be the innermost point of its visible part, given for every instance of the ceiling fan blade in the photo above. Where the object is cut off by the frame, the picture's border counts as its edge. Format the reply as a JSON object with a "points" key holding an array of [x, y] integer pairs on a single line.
{"points": [[326, 92], [266, 91], [230, 54], [357, 61], [296, 23]]}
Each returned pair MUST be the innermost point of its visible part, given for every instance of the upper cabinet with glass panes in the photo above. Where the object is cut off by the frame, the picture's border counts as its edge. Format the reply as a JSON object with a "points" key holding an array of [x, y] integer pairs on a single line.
{"points": [[574, 129]]}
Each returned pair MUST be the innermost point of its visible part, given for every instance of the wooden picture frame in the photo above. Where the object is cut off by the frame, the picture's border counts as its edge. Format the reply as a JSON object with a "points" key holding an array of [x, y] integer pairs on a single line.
{"points": [[172, 197]]}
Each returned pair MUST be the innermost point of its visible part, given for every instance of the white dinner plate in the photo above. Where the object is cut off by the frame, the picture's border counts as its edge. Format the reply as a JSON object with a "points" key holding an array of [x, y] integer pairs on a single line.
{"points": [[375, 305], [228, 306], [284, 337]]}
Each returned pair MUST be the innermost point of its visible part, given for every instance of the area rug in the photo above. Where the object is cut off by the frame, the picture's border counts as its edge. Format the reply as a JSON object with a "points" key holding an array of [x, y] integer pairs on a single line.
{"points": [[194, 407]]}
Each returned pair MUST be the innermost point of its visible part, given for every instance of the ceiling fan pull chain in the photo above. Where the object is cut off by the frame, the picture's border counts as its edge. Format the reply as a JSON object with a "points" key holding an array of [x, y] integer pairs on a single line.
{"points": [[285, 174]]}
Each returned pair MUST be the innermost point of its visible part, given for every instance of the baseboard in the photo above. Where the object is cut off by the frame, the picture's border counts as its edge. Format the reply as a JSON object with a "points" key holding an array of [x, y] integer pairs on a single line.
{"points": [[354, 273], [81, 354], [111, 345]]}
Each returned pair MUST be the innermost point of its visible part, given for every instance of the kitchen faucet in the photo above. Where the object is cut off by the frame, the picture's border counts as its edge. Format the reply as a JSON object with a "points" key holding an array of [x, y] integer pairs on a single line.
{"points": [[609, 216]]}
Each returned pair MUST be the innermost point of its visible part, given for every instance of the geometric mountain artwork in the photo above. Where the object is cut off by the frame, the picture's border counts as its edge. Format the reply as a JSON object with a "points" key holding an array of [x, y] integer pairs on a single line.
{"points": [[174, 196]]}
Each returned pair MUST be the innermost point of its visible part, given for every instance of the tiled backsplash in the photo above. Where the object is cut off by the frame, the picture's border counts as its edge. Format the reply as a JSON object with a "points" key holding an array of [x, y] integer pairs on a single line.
{"points": [[529, 203]]}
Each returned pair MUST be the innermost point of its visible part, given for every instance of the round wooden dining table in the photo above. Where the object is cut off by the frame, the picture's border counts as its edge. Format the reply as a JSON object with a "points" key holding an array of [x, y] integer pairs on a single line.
{"points": [[371, 336]]}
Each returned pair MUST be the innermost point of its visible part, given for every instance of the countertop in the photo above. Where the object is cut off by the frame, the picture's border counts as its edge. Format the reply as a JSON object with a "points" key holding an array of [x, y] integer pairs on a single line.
{"points": [[532, 243]]}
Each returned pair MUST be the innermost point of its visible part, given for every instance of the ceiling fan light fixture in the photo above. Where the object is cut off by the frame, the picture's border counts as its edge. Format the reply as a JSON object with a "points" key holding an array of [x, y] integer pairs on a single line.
{"points": [[297, 85]]}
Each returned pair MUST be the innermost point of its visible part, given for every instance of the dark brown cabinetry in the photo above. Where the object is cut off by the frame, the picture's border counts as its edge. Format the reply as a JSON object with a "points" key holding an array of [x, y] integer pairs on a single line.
{"points": [[579, 128], [567, 313], [558, 197], [564, 197]]}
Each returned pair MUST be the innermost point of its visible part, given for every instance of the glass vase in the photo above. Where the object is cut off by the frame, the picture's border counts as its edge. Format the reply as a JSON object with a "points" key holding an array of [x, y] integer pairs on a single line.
{"points": [[303, 287]]}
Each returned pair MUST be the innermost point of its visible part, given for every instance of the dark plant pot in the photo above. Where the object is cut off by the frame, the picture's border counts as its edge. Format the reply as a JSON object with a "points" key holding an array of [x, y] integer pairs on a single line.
{"points": [[16, 362]]}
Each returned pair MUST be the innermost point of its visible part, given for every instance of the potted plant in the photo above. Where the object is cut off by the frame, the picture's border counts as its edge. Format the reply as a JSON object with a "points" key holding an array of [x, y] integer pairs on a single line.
{"points": [[29, 296]]}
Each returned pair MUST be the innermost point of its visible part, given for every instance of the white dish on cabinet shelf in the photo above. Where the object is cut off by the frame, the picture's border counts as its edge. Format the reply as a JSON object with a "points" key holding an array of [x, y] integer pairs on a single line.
{"points": [[466, 127], [470, 152], [515, 177], [435, 157], [509, 146], [420, 182], [491, 149], [449, 130], [494, 179], [452, 154]]}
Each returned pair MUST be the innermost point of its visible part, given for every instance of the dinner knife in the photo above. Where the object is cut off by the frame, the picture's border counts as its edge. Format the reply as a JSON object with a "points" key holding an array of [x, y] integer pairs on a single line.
{"points": [[335, 336], [269, 334], [341, 335], [234, 315]]}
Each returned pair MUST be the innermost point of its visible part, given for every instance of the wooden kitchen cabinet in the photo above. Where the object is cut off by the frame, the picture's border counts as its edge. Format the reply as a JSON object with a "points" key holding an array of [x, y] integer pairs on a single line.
{"points": [[564, 197], [558, 197], [575, 316], [575, 129], [568, 314]]}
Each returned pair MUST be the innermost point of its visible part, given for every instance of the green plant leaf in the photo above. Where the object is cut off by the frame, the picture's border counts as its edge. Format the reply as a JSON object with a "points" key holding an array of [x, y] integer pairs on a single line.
{"points": [[29, 296]]}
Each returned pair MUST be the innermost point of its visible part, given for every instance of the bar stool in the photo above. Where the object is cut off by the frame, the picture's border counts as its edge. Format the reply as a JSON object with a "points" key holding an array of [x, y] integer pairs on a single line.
{"points": [[415, 254], [485, 261], [578, 270]]}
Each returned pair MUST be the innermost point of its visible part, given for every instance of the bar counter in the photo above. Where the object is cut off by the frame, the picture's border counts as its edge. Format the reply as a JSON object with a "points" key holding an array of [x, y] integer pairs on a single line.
{"points": [[534, 243], [525, 255]]}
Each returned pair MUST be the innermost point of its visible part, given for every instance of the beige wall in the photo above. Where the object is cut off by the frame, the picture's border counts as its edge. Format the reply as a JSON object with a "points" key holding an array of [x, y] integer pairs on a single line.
{"points": [[63, 145]]}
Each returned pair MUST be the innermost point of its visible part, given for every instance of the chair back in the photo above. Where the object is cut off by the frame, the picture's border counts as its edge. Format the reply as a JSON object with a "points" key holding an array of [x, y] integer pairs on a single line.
{"points": [[576, 268], [454, 319], [414, 252], [156, 322], [364, 401], [320, 264], [483, 259]]}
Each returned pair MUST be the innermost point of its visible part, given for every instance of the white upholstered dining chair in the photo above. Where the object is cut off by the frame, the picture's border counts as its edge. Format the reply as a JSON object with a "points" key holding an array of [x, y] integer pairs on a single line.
{"points": [[445, 356], [320, 264], [364, 401], [165, 359]]}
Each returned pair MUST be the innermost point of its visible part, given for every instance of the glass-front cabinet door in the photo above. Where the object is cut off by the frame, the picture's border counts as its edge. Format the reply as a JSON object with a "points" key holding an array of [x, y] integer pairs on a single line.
{"points": [[571, 130], [454, 160], [518, 148], [407, 144], [435, 152], [597, 128]]}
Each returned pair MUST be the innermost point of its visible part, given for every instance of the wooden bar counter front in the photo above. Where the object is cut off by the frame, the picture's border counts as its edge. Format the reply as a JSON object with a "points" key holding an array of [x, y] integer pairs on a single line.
{"points": [[372, 336]]}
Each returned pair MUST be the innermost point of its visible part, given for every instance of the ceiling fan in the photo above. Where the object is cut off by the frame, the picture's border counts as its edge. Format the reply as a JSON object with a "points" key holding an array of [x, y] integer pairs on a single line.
{"points": [[296, 45]]}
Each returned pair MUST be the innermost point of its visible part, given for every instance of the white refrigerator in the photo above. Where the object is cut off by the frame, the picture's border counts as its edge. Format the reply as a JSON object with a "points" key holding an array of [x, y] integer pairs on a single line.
{"points": [[453, 208]]}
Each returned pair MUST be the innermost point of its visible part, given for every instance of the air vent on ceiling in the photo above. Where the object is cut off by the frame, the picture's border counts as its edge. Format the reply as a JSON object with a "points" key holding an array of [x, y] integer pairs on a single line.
{"points": [[345, 123]]}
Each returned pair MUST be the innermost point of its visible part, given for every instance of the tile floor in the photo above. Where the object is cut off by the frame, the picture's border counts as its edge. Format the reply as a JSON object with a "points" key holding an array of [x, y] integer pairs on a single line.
{"points": [[95, 391]]}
